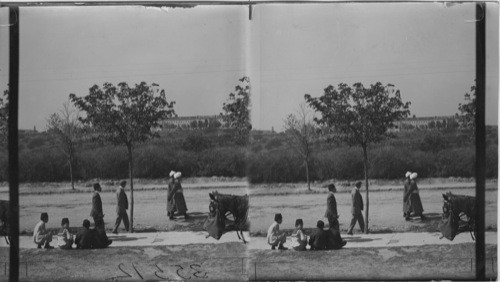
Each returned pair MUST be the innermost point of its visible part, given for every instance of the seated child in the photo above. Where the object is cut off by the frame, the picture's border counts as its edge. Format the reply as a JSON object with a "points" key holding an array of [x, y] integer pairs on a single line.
{"points": [[65, 239], [274, 236], [299, 239], [318, 239], [41, 236], [84, 238]]}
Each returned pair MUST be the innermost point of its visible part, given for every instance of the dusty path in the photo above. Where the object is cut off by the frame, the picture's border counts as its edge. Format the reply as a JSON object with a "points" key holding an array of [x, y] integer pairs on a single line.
{"points": [[385, 210]]}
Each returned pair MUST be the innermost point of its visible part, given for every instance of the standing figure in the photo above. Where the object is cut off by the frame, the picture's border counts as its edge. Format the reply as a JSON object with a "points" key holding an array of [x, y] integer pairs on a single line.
{"points": [[170, 196], [274, 236], [41, 236], [331, 208], [416, 203], [180, 202], [406, 197], [356, 209], [96, 212], [121, 207]]}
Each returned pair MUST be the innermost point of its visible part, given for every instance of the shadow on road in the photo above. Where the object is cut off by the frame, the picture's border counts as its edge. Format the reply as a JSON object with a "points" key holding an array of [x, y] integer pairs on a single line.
{"points": [[125, 238], [351, 239]]}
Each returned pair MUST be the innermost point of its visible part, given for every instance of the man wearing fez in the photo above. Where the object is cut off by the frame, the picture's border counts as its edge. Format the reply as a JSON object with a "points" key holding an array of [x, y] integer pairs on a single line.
{"points": [[331, 208], [121, 207], [356, 209], [96, 212], [274, 236], [170, 196]]}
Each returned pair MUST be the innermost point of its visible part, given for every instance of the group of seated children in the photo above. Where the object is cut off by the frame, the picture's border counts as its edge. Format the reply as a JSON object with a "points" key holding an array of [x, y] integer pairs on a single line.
{"points": [[320, 239], [86, 238]]}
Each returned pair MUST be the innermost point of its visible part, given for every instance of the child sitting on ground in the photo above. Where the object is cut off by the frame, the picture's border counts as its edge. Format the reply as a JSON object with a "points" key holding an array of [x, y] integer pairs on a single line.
{"points": [[299, 239], [65, 239]]}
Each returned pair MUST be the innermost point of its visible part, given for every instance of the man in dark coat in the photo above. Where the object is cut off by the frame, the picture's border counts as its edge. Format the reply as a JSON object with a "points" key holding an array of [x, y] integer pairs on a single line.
{"points": [[100, 239], [416, 203], [334, 239], [331, 208], [356, 209], [170, 196], [121, 207], [406, 197], [84, 237], [96, 212], [319, 237]]}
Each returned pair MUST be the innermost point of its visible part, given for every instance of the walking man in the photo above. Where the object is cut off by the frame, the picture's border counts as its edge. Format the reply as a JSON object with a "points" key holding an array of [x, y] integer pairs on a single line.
{"points": [[331, 208], [121, 207], [356, 209], [96, 212]]}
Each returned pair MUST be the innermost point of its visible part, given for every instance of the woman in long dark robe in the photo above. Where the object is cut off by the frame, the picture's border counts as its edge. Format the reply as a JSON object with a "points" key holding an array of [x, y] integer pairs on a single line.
{"points": [[180, 202], [406, 197], [416, 203], [170, 196]]}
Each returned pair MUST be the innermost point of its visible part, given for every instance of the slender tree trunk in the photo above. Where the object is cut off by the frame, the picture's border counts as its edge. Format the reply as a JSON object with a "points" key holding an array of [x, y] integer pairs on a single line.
{"points": [[71, 173], [367, 207], [307, 174], [131, 171]]}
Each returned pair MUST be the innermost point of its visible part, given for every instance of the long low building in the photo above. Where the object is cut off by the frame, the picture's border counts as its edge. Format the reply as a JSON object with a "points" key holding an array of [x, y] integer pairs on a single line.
{"points": [[193, 122], [435, 122]]}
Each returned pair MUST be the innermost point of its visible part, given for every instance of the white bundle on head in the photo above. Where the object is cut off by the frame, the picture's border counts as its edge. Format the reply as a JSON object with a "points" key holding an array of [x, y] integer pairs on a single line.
{"points": [[408, 173], [177, 175], [413, 175], [172, 173]]}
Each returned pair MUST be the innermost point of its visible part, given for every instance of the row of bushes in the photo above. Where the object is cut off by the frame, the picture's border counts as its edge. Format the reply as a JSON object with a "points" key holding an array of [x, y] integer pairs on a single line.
{"points": [[152, 161], [112, 163], [384, 162]]}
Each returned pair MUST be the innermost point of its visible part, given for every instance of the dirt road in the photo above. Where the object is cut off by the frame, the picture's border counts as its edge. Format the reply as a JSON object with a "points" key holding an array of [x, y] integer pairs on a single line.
{"points": [[385, 210], [149, 210]]}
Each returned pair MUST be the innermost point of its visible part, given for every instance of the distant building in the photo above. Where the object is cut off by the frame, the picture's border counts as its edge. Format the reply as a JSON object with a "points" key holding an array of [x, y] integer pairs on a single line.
{"points": [[425, 123], [193, 122]]}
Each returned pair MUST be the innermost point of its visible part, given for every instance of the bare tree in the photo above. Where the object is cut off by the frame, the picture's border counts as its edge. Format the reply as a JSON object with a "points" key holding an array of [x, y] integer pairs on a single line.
{"points": [[301, 134], [66, 126]]}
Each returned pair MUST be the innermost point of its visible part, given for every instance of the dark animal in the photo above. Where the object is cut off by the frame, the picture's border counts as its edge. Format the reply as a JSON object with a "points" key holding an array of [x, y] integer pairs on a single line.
{"points": [[459, 215], [221, 206], [4, 219]]}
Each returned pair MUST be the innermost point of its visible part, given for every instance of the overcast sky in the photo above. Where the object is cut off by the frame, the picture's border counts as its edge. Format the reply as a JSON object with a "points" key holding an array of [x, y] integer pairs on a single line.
{"points": [[198, 54]]}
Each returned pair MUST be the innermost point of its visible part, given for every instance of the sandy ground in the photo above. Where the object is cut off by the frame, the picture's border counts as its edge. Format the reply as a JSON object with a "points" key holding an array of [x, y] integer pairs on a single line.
{"points": [[207, 262], [385, 210], [395, 263]]}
